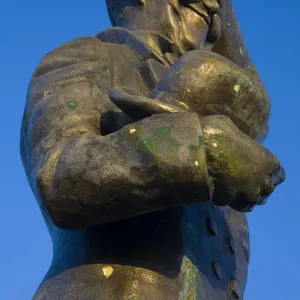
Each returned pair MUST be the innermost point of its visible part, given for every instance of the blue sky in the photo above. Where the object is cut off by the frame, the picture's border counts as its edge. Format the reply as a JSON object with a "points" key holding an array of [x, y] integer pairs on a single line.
{"points": [[29, 29]]}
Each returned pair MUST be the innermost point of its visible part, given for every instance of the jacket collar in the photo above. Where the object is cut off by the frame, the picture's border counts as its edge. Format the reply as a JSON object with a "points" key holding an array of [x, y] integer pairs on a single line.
{"points": [[147, 44]]}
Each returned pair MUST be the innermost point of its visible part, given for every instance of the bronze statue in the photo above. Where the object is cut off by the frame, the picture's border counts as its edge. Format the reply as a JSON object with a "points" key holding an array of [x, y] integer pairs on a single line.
{"points": [[141, 146]]}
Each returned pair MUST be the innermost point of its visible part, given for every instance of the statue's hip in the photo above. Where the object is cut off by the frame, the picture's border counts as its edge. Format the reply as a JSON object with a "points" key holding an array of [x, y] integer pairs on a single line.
{"points": [[194, 253]]}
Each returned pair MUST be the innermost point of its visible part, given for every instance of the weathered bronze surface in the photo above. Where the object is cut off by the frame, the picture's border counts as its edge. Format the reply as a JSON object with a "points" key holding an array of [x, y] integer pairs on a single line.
{"points": [[141, 146]]}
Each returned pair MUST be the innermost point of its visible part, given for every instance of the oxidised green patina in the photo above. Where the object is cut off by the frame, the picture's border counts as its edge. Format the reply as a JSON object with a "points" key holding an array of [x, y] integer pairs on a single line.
{"points": [[130, 181], [72, 104]]}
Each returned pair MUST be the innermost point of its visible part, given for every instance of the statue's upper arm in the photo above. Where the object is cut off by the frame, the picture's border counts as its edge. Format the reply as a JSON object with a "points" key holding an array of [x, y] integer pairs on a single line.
{"points": [[66, 96]]}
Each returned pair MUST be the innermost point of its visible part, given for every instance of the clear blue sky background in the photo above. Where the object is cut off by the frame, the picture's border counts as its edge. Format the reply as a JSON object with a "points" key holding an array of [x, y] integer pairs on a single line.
{"points": [[29, 29]]}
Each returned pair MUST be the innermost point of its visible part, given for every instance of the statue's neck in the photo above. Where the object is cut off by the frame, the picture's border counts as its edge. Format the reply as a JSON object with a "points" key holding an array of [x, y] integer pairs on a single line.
{"points": [[169, 30]]}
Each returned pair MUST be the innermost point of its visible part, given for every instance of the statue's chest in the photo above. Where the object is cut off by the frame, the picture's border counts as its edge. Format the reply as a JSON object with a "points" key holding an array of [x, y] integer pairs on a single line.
{"points": [[216, 243], [195, 253], [205, 257]]}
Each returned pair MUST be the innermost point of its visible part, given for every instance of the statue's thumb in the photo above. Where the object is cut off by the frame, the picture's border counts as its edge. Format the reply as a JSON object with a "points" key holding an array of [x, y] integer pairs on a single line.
{"points": [[139, 107]]}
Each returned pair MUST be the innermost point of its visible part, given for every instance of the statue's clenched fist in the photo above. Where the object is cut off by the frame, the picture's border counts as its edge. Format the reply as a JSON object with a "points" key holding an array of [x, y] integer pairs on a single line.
{"points": [[245, 173]]}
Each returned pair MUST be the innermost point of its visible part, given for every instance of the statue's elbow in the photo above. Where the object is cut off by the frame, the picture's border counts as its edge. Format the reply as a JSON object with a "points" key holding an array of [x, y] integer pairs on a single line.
{"points": [[73, 199], [58, 209], [64, 218], [64, 215]]}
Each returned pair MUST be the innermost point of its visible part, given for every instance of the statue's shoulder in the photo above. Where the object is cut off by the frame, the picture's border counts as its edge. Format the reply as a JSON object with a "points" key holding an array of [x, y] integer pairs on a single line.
{"points": [[121, 37], [110, 43], [131, 43], [114, 42], [83, 47], [87, 49], [112, 46]]}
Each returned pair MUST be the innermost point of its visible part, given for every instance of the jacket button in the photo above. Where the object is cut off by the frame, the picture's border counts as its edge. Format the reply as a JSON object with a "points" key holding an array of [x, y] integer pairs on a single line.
{"points": [[235, 289], [232, 245], [217, 270], [212, 226]]}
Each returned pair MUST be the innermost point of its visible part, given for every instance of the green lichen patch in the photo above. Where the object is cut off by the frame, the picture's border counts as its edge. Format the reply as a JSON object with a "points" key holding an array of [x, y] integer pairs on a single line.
{"points": [[159, 135], [225, 158], [201, 140], [264, 100], [72, 104], [165, 133], [149, 143], [195, 150], [190, 281], [244, 82]]}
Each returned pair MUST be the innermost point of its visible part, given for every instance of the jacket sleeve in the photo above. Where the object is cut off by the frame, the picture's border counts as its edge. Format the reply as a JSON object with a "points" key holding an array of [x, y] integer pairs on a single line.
{"points": [[231, 43], [232, 46], [82, 178]]}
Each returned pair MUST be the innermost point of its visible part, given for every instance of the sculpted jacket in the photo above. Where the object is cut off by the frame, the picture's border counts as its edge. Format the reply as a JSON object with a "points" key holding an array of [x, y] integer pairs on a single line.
{"points": [[112, 210]]}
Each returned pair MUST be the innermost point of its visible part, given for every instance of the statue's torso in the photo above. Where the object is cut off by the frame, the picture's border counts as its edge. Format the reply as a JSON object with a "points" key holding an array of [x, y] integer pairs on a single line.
{"points": [[199, 252]]}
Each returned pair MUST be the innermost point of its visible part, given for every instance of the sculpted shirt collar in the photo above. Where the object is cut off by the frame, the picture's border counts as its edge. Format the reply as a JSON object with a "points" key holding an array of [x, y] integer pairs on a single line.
{"points": [[149, 45]]}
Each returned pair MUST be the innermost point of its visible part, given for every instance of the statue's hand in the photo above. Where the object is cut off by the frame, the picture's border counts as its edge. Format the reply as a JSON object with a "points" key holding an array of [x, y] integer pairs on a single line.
{"points": [[245, 172], [138, 107], [167, 140]]}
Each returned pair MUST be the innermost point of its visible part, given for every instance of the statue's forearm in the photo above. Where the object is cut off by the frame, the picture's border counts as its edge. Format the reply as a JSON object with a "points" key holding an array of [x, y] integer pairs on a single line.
{"points": [[210, 84], [82, 178], [147, 166]]}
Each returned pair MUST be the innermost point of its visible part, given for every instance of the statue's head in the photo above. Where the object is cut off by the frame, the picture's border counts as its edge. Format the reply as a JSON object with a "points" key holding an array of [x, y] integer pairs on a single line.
{"points": [[189, 23]]}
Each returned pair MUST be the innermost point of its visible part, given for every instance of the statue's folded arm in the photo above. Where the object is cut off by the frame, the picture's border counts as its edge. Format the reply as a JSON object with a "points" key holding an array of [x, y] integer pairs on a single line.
{"points": [[82, 178]]}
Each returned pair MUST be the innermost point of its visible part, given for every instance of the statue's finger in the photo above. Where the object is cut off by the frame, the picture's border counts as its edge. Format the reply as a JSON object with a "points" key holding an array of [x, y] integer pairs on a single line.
{"points": [[139, 107]]}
